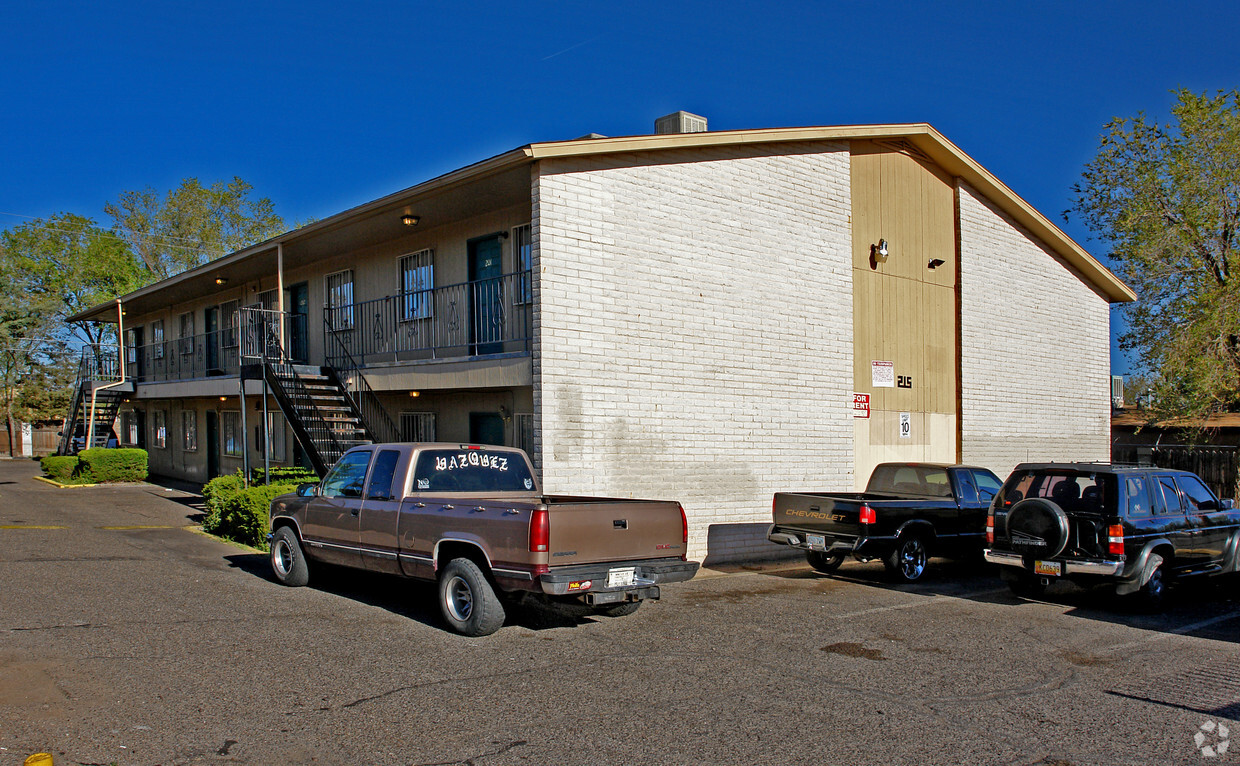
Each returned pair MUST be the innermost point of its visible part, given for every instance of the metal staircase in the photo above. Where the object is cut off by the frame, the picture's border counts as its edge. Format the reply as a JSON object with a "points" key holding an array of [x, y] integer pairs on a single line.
{"points": [[97, 395], [320, 411]]}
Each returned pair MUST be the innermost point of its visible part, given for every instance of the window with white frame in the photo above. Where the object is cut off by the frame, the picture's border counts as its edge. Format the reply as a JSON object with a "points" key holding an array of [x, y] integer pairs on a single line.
{"points": [[228, 315], [189, 430], [524, 431], [131, 346], [230, 430], [523, 255], [186, 333], [157, 337], [159, 428], [340, 299], [417, 280], [417, 426]]}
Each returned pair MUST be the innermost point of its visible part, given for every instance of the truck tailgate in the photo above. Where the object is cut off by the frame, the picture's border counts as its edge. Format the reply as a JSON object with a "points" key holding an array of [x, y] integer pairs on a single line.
{"points": [[590, 530], [835, 514]]}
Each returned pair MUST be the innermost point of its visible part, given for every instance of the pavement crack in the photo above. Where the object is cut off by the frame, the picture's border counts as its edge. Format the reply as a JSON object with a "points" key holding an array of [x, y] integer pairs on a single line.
{"points": [[426, 685], [57, 627], [472, 760]]}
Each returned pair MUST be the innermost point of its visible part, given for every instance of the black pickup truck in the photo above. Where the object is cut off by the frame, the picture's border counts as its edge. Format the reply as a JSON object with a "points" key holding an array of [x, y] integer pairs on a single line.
{"points": [[908, 512], [1134, 528]]}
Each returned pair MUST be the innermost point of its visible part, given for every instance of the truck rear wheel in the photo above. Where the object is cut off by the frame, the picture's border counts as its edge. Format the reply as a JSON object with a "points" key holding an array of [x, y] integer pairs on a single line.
{"points": [[907, 561], [467, 600], [824, 562]]}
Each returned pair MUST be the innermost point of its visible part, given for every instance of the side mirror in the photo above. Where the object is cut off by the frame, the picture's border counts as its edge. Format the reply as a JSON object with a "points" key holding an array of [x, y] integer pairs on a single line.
{"points": [[1228, 504], [308, 490]]}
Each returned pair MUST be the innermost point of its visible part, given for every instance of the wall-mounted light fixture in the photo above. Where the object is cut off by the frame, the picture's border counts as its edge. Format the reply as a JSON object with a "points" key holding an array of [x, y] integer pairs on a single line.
{"points": [[223, 398], [415, 394], [409, 219], [221, 280], [935, 263], [879, 252]]}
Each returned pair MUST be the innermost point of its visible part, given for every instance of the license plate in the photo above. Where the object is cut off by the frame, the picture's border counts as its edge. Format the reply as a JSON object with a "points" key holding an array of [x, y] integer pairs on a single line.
{"points": [[1052, 568], [621, 578], [817, 542]]}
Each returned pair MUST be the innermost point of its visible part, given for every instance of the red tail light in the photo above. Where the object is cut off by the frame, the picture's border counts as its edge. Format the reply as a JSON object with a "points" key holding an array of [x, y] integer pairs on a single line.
{"points": [[684, 529], [1115, 540], [990, 529], [540, 531], [867, 515]]}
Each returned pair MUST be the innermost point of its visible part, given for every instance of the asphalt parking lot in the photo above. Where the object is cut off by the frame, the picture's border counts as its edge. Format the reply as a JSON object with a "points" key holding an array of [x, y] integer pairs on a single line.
{"points": [[127, 637]]}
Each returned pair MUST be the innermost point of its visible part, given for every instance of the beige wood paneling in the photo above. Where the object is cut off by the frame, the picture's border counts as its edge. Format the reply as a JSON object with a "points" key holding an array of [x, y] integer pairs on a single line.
{"points": [[903, 310]]}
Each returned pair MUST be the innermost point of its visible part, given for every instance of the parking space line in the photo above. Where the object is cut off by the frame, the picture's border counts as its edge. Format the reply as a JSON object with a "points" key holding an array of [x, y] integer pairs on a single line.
{"points": [[139, 526], [29, 526], [1183, 629], [935, 598]]}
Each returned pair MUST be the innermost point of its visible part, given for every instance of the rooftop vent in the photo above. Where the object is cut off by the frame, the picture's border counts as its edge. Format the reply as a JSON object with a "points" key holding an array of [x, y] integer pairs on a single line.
{"points": [[680, 122]]}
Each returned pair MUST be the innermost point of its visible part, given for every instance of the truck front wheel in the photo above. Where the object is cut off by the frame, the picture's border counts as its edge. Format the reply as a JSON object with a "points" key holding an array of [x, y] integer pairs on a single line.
{"points": [[467, 600]]}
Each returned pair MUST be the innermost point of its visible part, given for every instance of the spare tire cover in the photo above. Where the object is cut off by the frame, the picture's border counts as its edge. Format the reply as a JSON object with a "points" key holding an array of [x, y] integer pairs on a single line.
{"points": [[1037, 527]]}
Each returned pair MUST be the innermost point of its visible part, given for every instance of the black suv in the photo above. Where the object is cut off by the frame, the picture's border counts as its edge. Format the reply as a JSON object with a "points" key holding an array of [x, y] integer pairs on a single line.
{"points": [[1094, 523]]}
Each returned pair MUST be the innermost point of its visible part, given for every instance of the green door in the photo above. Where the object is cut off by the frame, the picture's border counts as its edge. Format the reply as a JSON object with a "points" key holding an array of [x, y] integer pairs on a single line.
{"points": [[486, 296], [486, 428]]}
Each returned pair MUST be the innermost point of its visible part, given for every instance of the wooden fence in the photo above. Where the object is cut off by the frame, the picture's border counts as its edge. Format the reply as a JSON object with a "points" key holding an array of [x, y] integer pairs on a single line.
{"points": [[1217, 465], [45, 440]]}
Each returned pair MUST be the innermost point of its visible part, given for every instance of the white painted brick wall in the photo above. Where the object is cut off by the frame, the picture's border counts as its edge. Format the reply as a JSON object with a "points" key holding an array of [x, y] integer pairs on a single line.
{"points": [[1036, 348], [693, 338]]}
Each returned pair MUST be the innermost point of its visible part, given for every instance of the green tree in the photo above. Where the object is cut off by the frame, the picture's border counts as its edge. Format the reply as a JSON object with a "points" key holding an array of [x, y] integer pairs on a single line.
{"points": [[1166, 200], [191, 224], [64, 264]]}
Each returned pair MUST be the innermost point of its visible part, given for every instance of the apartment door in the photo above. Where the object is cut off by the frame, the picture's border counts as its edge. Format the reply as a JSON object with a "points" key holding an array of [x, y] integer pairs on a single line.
{"points": [[211, 318], [299, 307], [486, 428], [135, 352], [486, 269], [213, 444]]}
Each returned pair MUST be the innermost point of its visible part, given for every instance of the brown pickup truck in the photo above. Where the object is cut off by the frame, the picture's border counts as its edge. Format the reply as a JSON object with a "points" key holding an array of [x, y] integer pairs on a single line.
{"points": [[473, 518]]}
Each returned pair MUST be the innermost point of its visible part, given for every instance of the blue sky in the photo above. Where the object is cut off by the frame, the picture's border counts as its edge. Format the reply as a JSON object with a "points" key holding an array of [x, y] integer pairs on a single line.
{"points": [[322, 106]]}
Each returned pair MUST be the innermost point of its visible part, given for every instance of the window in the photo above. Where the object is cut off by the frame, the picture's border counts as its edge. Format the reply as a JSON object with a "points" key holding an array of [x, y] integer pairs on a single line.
{"points": [[472, 470], [1138, 496], [1197, 496], [340, 299], [417, 279], [1170, 498], [381, 477], [230, 430], [159, 428], [189, 430], [129, 427], [228, 315], [346, 478], [988, 485], [417, 426], [131, 346], [275, 437], [186, 333], [157, 338], [523, 254], [267, 300], [524, 434]]}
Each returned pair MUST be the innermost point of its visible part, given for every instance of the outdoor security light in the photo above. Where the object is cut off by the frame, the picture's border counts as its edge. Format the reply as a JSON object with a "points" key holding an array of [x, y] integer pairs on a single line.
{"points": [[879, 252]]}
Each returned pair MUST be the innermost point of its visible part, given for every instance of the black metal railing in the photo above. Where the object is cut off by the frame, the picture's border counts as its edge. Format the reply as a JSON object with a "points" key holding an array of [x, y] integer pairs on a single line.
{"points": [[468, 319], [352, 381], [274, 336]]}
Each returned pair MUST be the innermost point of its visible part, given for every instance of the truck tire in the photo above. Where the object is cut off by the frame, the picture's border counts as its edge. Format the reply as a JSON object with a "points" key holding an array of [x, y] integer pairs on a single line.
{"points": [[467, 600], [822, 562], [288, 561], [620, 610], [907, 561], [1038, 527]]}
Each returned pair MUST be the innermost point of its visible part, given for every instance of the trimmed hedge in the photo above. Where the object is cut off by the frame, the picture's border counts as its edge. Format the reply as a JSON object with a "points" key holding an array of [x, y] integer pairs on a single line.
{"points": [[59, 467], [284, 474], [238, 513], [102, 465], [97, 466]]}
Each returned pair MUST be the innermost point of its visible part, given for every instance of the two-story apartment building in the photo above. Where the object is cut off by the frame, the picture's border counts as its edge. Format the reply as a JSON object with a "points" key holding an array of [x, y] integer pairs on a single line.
{"points": [[709, 317]]}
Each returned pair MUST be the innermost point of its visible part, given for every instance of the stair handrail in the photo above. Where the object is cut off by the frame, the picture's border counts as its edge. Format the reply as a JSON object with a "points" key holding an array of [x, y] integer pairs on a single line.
{"points": [[375, 418], [289, 390]]}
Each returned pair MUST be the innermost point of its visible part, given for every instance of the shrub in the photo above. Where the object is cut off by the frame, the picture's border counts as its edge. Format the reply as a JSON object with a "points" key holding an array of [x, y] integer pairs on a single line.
{"points": [[284, 474], [217, 494], [243, 517], [59, 467], [104, 465]]}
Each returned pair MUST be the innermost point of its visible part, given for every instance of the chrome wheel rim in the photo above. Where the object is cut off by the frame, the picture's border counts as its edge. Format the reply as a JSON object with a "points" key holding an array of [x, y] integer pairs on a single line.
{"points": [[459, 598], [912, 559], [282, 557]]}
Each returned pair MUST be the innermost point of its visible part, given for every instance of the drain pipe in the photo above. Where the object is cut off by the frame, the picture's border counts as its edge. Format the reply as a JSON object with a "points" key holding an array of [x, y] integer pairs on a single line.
{"points": [[94, 392]]}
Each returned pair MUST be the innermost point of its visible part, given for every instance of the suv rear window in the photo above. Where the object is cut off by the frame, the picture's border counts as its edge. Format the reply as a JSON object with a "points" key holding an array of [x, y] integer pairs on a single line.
{"points": [[1073, 491]]}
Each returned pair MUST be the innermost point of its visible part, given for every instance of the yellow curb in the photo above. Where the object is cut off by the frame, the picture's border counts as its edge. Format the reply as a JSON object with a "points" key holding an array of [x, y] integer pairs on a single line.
{"points": [[38, 759], [55, 483]]}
